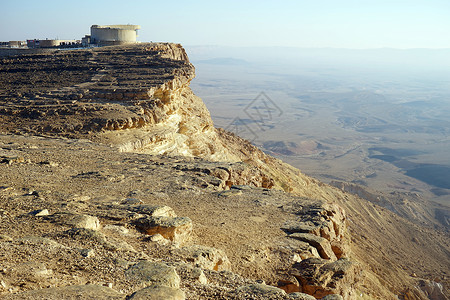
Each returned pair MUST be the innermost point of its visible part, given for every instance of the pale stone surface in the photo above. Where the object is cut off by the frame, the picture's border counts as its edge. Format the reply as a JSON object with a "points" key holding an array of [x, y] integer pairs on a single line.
{"points": [[85, 221], [76, 220], [159, 292], [149, 273], [157, 238], [40, 212]]}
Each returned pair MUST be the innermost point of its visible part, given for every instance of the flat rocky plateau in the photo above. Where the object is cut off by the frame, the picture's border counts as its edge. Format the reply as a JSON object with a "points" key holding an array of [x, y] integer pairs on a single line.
{"points": [[115, 184]]}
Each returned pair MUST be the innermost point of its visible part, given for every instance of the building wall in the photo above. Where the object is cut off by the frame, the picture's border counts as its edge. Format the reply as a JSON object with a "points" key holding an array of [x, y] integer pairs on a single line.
{"points": [[119, 34], [49, 43], [52, 43], [17, 44]]}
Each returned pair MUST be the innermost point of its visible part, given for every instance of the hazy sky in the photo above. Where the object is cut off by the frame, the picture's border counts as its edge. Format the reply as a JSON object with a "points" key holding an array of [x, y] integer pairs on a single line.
{"points": [[298, 23]]}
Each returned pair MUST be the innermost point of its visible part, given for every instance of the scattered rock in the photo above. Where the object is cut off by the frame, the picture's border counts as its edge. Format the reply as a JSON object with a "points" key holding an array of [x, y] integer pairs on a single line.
{"points": [[39, 212], [150, 273], [159, 292], [82, 198], [12, 160], [85, 221], [76, 220], [87, 253], [176, 229], [136, 193]]}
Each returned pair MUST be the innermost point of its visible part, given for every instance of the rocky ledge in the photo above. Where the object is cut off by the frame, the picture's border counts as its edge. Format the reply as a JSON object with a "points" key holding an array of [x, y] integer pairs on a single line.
{"points": [[101, 91], [88, 221]]}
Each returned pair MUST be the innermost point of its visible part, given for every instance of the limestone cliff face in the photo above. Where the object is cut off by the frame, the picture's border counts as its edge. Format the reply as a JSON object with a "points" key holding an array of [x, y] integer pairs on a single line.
{"points": [[136, 98], [169, 118]]}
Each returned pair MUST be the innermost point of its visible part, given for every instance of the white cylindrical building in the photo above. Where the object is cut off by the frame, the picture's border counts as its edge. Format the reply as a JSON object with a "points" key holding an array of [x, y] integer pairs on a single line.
{"points": [[114, 34]]}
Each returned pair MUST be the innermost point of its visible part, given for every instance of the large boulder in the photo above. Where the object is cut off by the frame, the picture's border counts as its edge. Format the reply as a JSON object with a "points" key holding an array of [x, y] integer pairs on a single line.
{"points": [[75, 220], [176, 229], [147, 273]]}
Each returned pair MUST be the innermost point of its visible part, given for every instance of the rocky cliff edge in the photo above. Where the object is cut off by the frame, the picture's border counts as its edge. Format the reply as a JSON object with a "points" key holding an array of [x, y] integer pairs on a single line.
{"points": [[108, 208]]}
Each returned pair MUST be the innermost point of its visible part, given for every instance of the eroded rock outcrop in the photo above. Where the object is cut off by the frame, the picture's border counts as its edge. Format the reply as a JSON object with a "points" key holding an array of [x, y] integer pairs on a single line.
{"points": [[320, 277], [143, 89], [323, 226]]}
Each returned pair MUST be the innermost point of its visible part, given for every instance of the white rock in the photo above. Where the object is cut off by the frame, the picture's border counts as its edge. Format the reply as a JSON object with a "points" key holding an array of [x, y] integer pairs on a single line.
{"points": [[85, 221]]}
